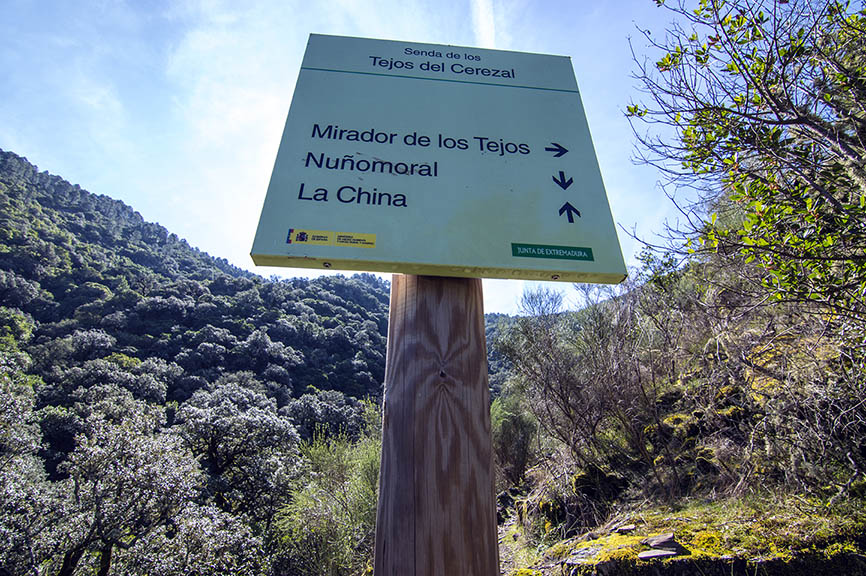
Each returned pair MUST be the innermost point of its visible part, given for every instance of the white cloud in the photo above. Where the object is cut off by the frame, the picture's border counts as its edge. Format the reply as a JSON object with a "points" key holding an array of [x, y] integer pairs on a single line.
{"points": [[231, 76], [484, 23]]}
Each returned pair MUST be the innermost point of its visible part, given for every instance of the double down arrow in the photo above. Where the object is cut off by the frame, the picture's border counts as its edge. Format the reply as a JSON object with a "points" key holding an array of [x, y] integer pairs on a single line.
{"points": [[562, 182]]}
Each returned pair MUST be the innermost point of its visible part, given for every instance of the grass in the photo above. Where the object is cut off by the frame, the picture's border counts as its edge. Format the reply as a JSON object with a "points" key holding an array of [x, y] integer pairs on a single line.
{"points": [[516, 552], [754, 529]]}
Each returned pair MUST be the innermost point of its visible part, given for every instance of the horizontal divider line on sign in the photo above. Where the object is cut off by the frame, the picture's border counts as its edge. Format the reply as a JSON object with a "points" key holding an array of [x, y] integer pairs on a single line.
{"points": [[439, 79]]}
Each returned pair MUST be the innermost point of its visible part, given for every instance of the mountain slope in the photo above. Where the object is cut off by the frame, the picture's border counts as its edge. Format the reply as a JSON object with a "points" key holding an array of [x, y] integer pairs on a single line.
{"points": [[96, 280]]}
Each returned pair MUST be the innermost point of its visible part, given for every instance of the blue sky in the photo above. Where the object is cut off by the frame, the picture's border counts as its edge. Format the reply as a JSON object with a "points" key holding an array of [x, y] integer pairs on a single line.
{"points": [[177, 108]]}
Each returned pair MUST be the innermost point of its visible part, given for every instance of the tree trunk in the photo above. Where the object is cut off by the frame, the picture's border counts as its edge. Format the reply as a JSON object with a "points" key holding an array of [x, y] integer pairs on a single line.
{"points": [[105, 559], [70, 561]]}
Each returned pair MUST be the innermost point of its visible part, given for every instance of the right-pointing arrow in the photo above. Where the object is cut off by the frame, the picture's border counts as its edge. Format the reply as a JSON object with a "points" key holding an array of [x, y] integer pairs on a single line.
{"points": [[570, 210], [559, 149], [562, 182]]}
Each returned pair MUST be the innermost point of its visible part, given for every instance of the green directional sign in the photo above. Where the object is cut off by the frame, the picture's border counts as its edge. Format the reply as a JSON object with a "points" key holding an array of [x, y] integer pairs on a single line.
{"points": [[439, 160]]}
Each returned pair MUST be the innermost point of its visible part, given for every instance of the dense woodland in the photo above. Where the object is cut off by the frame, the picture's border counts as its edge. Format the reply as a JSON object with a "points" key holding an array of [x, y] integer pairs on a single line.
{"points": [[159, 406], [162, 412]]}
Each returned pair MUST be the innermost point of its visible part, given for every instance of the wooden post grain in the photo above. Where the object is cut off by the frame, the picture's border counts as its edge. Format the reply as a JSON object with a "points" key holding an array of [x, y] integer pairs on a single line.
{"points": [[437, 510]]}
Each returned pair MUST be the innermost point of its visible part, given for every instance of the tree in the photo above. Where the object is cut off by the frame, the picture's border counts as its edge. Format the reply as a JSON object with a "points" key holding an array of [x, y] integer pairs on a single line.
{"points": [[247, 448], [328, 526], [126, 479], [326, 413], [513, 430], [760, 106], [577, 369], [29, 510], [201, 541]]}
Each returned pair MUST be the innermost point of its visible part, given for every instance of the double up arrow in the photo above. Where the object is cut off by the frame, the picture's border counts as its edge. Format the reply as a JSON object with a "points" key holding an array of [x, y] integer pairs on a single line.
{"points": [[563, 182]]}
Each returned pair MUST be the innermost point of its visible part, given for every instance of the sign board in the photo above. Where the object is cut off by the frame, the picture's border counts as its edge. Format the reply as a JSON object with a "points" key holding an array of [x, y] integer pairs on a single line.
{"points": [[437, 160]]}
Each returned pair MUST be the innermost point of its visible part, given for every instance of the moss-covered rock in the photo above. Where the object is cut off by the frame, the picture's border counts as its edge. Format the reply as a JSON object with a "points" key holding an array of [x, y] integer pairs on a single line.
{"points": [[848, 565], [766, 536], [596, 484]]}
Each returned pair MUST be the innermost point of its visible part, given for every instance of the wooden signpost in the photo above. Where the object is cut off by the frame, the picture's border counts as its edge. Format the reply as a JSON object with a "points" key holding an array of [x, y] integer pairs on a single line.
{"points": [[437, 509], [447, 164]]}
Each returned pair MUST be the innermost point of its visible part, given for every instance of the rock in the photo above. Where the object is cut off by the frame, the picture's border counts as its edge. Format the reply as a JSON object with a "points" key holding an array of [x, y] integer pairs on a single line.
{"points": [[608, 568], [665, 544], [581, 555], [650, 554], [504, 501], [665, 541], [625, 528]]}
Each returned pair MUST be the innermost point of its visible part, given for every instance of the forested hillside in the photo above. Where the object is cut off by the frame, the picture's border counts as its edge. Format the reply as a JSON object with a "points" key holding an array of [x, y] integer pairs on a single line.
{"points": [[164, 413], [94, 280], [155, 401]]}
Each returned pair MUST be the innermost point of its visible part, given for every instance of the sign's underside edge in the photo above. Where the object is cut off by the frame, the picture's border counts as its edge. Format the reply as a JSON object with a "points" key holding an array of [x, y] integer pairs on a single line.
{"points": [[437, 269]]}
